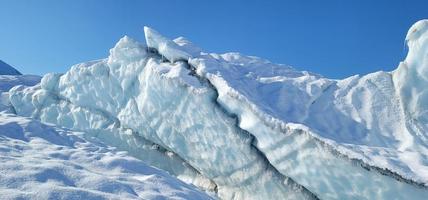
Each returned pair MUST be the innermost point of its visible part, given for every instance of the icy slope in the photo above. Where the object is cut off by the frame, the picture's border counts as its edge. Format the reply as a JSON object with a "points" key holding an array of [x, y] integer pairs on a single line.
{"points": [[6, 69], [244, 127], [44, 162]]}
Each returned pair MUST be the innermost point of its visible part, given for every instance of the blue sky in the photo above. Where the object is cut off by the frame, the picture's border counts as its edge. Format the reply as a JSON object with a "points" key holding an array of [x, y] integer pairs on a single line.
{"points": [[334, 38]]}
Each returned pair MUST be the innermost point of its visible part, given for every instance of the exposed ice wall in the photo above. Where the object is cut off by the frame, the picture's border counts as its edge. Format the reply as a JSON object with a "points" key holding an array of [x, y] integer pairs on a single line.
{"points": [[332, 139], [411, 77], [161, 103], [242, 126]]}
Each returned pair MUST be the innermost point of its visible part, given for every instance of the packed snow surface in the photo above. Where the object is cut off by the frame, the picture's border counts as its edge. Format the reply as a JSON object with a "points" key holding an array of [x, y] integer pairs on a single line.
{"points": [[41, 161], [245, 128], [6, 69]]}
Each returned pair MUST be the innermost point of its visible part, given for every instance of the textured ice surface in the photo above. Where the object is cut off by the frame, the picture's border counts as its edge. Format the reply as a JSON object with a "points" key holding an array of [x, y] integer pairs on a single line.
{"points": [[246, 128], [40, 161], [379, 118], [159, 102], [411, 77]]}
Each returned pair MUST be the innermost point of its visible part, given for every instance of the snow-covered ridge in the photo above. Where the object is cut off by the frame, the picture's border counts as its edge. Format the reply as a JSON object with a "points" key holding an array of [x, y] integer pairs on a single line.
{"points": [[244, 127], [6, 69]]}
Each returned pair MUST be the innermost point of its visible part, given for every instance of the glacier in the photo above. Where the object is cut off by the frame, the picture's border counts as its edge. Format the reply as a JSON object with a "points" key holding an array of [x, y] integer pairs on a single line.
{"points": [[245, 128]]}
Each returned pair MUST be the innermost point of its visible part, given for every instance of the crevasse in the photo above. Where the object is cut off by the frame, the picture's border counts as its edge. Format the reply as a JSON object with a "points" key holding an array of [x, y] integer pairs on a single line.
{"points": [[244, 127]]}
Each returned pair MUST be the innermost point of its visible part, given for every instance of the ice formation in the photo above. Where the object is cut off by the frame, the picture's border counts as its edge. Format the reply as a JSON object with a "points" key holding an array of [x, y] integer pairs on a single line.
{"points": [[245, 128]]}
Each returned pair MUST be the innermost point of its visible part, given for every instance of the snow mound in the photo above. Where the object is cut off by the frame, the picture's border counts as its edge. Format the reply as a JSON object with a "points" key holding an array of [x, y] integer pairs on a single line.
{"points": [[45, 162], [6, 69], [246, 128]]}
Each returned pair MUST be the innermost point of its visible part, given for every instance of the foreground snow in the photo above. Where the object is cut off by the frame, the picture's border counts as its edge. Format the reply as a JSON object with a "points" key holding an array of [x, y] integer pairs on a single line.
{"points": [[40, 161], [245, 128]]}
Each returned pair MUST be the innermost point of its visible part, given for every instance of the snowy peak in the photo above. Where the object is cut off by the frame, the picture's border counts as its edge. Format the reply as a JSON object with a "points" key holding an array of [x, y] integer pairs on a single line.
{"points": [[6, 69]]}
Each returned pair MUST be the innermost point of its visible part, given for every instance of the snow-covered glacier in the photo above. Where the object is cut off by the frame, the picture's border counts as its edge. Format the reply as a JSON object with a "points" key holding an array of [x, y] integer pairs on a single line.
{"points": [[244, 128]]}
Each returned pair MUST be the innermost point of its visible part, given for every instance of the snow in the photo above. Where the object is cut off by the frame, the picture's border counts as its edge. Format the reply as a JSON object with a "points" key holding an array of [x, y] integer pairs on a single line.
{"points": [[159, 103], [8, 81], [245, 128], [164, 46], [358, 116], [411, 76], [41, 161], [6, 69]]}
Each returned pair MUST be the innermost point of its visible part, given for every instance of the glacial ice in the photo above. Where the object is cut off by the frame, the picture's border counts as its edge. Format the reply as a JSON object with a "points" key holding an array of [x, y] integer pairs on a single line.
{"points": [[411, 77], [245, 128]]}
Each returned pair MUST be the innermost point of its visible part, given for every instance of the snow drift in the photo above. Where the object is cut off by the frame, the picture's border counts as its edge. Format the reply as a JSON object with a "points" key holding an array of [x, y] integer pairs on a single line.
{"points": [[45, 162], [245, 128]]}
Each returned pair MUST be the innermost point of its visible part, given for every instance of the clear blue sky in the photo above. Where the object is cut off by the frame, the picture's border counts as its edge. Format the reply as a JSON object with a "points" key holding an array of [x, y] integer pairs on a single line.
{"points": [[334, 38]]}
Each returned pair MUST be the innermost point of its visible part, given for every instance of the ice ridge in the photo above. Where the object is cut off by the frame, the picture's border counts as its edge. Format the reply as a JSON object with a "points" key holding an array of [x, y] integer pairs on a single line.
{"points": [[237, 124]]}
